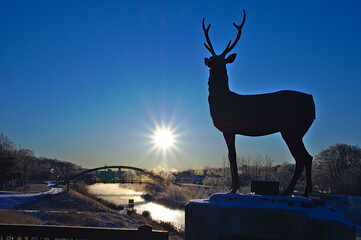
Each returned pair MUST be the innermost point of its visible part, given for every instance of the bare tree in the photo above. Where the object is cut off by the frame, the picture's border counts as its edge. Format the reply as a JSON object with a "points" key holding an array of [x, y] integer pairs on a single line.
{"points": [[24, 158], [334, 167], [244, 164], [268, 161], [6, 159]]}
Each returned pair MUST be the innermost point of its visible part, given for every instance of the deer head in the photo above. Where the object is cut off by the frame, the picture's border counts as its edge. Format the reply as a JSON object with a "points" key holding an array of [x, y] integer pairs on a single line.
{"points": [[220, 60]]}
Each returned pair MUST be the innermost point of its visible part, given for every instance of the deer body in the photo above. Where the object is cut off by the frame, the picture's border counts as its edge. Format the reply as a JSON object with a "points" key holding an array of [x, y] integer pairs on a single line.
{"points": [[262, 114], [289, 112]]}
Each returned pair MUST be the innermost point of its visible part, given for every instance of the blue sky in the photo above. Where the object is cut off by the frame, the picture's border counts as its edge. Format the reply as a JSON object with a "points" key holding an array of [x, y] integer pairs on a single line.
{"points": [[89, 81]]}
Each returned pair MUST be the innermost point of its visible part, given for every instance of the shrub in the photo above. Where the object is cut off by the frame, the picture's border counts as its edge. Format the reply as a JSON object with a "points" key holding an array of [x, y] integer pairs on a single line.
{"points": [[146, 214]]}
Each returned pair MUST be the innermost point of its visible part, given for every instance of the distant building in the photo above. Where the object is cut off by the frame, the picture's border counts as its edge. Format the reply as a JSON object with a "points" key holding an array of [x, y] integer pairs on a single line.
{"points": [[106, 176]]}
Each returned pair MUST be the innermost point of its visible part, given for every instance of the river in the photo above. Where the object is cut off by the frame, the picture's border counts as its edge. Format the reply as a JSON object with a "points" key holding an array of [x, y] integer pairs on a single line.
{"points": [[113, 192]]}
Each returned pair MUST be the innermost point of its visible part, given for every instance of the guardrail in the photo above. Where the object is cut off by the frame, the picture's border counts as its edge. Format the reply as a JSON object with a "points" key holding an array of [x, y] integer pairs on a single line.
{"points": [[143, 232]]}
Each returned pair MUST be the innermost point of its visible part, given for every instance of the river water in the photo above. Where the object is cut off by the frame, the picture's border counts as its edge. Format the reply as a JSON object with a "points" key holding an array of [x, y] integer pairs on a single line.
{"points": [[114, 192]]}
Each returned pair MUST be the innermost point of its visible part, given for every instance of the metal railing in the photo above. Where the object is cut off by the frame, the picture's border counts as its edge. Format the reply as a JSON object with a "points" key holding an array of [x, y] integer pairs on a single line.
{"points": [[43, 232]]}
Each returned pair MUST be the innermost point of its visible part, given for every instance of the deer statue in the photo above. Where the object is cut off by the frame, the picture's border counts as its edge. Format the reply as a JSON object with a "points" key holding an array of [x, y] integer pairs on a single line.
{"points": [[289, 112]]}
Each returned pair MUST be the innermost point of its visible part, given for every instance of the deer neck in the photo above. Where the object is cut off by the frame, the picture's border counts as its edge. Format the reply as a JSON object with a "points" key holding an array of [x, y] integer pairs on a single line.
{"points": [[218, 82]]}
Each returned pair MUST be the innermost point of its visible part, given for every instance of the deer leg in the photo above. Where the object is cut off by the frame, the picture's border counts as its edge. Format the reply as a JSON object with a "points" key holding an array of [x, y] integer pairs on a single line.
{"points": [[296, 175], [230, 141], [308, 167], [301, 156]]}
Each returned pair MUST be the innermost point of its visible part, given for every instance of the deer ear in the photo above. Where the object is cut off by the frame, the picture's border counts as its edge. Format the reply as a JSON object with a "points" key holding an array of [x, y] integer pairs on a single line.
{"points": [[231, 58], [206, 61]]}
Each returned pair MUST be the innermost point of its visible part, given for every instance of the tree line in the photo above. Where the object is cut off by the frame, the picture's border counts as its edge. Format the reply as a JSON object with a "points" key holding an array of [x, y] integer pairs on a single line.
{"points": [[18, 165], [336, 170]]}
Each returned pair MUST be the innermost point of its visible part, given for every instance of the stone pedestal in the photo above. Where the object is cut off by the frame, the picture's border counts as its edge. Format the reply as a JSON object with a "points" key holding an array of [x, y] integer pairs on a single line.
{"points": [[246, 216]]}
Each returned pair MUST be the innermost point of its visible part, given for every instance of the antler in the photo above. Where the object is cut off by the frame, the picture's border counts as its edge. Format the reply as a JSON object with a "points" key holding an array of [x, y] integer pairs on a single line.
{"points": [[209, 46], [239, 28]]}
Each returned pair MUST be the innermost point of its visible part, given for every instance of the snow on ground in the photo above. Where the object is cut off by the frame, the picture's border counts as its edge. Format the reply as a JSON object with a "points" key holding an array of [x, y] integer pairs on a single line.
{"points": [[312, 208], [11, 199], [350, 206]]}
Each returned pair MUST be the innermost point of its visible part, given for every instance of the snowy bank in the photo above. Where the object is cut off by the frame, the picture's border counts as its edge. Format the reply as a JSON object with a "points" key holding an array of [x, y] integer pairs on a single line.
{"points": [[11, 199]]}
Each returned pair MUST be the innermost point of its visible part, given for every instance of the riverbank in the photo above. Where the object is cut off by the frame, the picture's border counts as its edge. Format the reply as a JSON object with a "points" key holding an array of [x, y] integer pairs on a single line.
{"points": [[176, 196], [75, 209], [119, 195]]}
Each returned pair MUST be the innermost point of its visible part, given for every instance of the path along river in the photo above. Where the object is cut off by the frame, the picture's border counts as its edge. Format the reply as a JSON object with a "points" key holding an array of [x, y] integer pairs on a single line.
{"points": [[115, 193]]}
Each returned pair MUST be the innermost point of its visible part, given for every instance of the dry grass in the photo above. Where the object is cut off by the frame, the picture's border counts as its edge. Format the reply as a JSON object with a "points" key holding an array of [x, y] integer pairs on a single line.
{"points": [[32, 188], [14, 217], [74, 218], [63, 202]]}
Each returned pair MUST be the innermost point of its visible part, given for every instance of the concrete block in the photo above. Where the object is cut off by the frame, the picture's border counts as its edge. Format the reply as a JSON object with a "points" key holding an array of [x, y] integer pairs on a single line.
{"points": [[247, 216]]}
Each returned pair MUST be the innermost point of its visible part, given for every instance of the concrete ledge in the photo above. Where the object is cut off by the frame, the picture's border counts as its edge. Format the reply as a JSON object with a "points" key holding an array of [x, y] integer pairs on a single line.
{"points": [[246, 216]]}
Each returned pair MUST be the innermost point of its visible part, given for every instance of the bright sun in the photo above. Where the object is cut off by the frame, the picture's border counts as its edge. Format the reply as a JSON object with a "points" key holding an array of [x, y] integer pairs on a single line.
{"points": [[163, 138]]}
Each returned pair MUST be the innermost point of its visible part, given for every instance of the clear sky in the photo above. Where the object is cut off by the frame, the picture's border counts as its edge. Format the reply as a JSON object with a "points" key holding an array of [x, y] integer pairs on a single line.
{"points": [[90, 81]]}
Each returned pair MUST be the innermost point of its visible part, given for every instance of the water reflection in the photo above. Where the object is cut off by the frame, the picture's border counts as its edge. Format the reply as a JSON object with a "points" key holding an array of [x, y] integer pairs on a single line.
{"points": [[120, 195]]}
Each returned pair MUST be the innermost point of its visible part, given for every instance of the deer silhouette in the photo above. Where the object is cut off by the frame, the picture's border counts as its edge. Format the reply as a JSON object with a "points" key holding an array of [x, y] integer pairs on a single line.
{"points": [[289, 112]]}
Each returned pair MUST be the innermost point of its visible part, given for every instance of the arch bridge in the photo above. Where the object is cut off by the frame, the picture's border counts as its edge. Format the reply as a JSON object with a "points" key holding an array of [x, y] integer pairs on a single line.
{"points": [[152, 175]]}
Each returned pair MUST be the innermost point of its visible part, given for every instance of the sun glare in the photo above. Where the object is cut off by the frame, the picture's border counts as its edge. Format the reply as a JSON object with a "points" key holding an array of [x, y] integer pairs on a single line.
{"points": [[165, 142], [163, 138]]}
